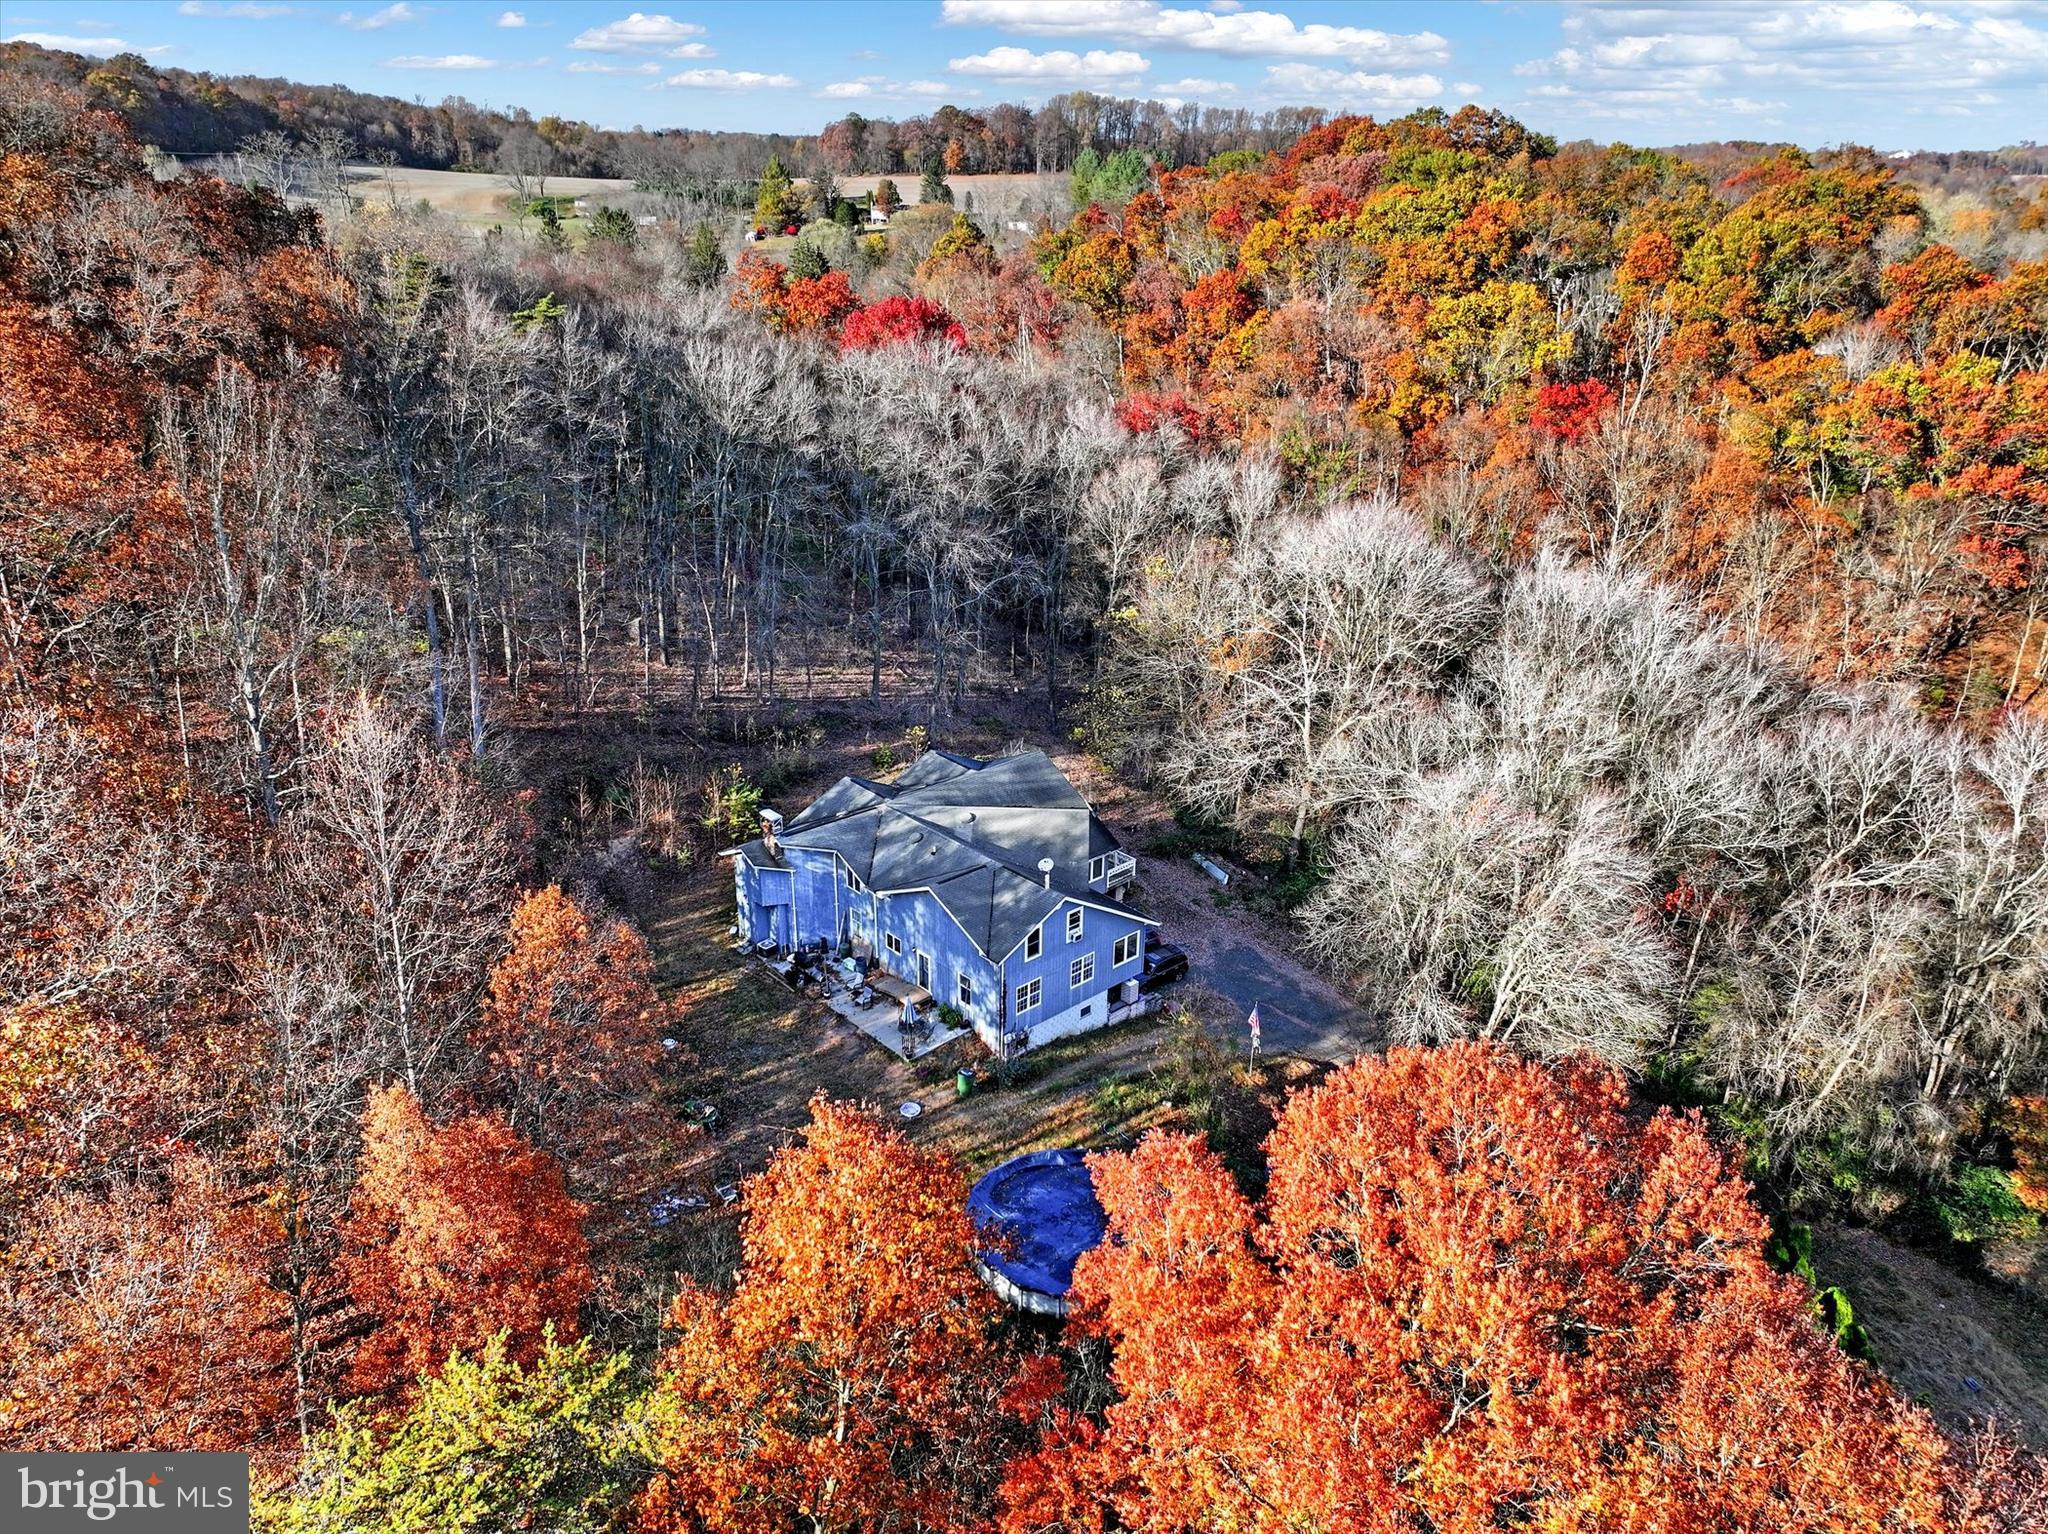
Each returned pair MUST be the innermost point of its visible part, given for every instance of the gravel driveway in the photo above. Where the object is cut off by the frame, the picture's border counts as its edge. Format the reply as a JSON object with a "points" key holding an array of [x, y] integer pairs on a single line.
{"points": [[1238, 960], [1229, 953]]}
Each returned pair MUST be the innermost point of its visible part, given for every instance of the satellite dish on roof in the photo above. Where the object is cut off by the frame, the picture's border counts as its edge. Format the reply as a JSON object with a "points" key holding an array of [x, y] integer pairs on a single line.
{"points": [[1045, 871]]}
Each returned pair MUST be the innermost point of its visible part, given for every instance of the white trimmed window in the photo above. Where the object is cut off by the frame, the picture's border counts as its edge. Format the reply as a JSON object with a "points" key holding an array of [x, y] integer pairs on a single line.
{"points": [[966, 991], [1097, 867], [1126, 950], [1034, 942], [853, 883], [892, 942], [1081, 971], [1029, 994], [1074, 924]]}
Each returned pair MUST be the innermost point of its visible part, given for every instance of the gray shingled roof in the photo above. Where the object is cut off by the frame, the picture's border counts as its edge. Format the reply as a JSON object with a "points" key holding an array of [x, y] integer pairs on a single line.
{"points": [[970, 831]]}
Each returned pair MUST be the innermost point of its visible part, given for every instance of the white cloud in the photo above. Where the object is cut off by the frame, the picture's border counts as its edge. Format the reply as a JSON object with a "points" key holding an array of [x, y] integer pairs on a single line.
{"points": [[593, 67], [511, 19], [1191, 87], [1238, 33], [440, 61], [390, 16], [241, 10], [879, 87], [1306, 83], [1095, 67], [729, 80], [1682, 67], [639, 33], [98, 47]]}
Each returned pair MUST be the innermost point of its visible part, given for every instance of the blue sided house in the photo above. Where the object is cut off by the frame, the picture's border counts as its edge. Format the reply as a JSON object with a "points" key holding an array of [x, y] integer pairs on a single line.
{"points": [[991, 886]]}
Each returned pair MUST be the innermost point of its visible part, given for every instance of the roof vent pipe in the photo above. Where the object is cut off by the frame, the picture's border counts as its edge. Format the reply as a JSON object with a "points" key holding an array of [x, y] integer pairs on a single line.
{"points": [[1045, 871]]}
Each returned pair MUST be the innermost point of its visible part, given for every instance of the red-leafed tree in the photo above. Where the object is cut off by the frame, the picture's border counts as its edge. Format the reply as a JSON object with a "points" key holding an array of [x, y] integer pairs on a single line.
{"points": [[852, 1380], [455, 1234], [896, 320], [1479, 1288], [1568, 411]]}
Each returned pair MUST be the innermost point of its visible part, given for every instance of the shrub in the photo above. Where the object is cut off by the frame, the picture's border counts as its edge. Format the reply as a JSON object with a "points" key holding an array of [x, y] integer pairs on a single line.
{"points": [[732, 804], [1980, 1204]]}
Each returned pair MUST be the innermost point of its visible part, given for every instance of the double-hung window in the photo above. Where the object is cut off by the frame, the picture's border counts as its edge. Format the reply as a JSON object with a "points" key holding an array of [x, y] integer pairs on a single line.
{"points": [[966, 992], [1034, 942], [1126, 950], [1081, 971], [1029, 994], [1074, 919]]}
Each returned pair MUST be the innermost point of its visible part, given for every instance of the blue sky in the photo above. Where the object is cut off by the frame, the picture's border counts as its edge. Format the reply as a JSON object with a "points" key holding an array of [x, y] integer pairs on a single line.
{"points": [[1899, 74]]}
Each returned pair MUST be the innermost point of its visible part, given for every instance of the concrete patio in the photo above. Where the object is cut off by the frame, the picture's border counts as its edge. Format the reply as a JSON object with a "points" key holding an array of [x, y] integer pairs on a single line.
{"points": [[882, 1019]]}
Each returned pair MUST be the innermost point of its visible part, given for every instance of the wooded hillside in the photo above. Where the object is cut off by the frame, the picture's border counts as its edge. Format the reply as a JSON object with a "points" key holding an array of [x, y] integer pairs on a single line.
{"points": [[1601, 595]]}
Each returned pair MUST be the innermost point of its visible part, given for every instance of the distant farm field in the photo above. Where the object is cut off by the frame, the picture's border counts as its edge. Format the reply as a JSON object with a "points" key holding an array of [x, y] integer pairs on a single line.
{"points": [[475, 197]]}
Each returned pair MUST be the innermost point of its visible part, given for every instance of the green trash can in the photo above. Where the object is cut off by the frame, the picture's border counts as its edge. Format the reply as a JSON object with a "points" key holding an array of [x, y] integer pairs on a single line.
{"points": [[963, 1083]]}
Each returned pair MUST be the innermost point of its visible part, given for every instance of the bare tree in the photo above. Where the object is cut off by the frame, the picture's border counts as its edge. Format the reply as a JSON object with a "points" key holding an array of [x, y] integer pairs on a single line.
{"points": [[1319, 624], [403, 876]]}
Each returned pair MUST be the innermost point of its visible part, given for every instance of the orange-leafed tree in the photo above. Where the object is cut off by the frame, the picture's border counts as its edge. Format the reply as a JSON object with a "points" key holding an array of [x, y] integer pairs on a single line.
{"points": [[572, 1030], [141, 1317], [852, 1380], [454, 1234], [572, 1033], [1479, 1289], [2026, 1121]]}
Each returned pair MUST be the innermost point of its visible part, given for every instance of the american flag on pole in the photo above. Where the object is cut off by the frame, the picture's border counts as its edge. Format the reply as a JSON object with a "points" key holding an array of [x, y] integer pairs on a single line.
{"points": [[1252, 1023]]}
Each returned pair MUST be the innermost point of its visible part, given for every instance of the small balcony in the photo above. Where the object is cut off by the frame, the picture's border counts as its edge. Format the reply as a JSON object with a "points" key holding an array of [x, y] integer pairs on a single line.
{"points": [[1119, 868]]}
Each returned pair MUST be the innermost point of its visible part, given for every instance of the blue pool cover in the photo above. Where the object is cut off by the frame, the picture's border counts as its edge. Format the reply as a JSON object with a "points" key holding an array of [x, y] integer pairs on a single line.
{"points": [[1041, 1207]]}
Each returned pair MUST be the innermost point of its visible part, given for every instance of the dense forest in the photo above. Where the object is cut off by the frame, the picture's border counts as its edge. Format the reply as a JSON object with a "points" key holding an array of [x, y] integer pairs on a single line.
{"points": [[1600, 589]]}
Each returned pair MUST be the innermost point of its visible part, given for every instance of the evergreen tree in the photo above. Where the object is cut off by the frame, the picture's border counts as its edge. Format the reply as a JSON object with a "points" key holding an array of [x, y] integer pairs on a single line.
{"points": [[774, 204], [934, 188], [552, 234], [612, 226], [703, 261], [806, 261]]}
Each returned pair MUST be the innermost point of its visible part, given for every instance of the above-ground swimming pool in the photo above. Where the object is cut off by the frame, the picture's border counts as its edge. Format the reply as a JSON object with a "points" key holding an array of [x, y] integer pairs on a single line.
{"points": [[1041, 1211]]}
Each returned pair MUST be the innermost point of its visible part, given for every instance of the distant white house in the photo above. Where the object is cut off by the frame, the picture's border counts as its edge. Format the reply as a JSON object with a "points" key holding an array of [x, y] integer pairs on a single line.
{"points": [[877, 219]]}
